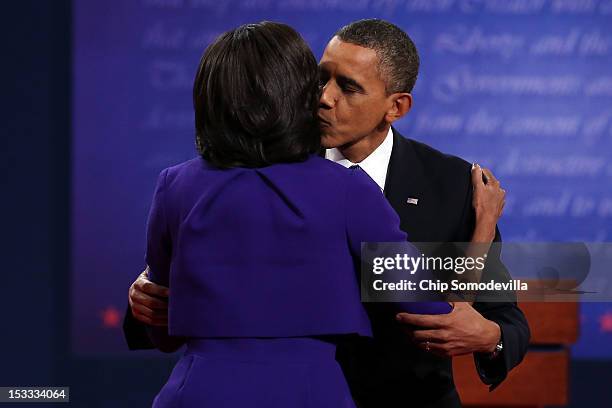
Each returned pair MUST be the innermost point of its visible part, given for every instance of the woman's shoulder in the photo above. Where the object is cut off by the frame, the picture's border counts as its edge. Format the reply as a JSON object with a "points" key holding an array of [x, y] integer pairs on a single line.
{"points": [[189, 165], [187, 169], [316, 170], [352, 178], [325, 167], [337, 176]]}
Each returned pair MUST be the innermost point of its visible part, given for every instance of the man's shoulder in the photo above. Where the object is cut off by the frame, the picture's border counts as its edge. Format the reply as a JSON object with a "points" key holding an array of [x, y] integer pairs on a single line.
{"points": [[433, 158], [449, 175]]}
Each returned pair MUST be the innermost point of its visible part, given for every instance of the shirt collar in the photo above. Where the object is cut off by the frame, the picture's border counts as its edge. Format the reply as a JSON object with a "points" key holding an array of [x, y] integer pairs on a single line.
{"points": [[375, 165]]}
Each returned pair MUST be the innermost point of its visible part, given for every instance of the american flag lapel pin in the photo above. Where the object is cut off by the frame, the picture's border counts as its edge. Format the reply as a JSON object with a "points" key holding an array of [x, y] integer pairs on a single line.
{"points": [[412, 200]]}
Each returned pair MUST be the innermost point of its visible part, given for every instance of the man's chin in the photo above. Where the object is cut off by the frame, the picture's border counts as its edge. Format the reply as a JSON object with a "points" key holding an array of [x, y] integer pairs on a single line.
{"points": [[329, 142]]}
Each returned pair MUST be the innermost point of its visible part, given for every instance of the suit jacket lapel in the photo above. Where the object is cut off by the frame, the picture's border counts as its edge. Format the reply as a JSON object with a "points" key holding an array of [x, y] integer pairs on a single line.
{"points": [[408, 179], [406, 176]]}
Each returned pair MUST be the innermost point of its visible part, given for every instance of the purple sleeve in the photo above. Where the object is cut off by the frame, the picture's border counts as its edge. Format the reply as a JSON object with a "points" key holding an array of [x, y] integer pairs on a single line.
{"points": [[158, 256], [159, 245], [369, 216]]}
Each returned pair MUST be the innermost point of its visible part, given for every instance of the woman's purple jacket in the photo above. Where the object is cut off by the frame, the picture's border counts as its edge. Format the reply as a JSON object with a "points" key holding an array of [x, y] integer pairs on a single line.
{"points": [[265, 252]]}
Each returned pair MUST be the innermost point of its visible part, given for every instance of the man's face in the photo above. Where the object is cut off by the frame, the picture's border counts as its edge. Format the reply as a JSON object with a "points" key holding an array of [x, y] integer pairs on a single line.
{"points": [[353, 100]]}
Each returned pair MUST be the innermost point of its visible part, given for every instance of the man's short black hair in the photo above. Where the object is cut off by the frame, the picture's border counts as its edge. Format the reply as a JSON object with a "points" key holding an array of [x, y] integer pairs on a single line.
{"points": [[397, 54], [255, 97]]}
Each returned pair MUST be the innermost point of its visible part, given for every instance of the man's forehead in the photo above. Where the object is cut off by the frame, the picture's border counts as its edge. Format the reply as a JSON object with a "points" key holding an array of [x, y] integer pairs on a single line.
{"points": [[349, 59]]}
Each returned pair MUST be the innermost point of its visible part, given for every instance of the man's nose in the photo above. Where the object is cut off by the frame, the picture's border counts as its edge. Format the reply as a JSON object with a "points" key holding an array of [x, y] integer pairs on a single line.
{"points": [[327, 99]]}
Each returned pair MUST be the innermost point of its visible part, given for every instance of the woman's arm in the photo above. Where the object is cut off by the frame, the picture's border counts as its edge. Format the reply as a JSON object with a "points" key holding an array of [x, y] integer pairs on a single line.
{"points": [[158, 256], [488, 201], [369, 216]]}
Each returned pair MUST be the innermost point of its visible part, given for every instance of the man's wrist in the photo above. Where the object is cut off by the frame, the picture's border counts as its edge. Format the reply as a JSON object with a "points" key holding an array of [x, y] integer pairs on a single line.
{"points": [[499, 347], [494, 338]]}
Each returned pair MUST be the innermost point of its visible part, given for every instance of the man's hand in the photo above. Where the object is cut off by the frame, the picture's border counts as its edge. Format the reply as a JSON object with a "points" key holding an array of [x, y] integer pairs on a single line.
{"points": [[148, 301], [462, 331]]}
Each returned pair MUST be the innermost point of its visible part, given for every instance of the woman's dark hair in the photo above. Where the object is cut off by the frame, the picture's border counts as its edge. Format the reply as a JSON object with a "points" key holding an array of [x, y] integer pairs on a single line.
{"points": [[256, 97]]}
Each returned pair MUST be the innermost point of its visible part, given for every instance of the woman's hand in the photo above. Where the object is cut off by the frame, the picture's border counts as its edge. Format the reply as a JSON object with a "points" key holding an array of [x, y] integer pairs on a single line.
{"points": [[488, 202]]}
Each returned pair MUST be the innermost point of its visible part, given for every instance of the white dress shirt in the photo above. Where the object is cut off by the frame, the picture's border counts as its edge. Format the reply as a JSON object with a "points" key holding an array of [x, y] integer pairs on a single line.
{"points": [[375, 165]]}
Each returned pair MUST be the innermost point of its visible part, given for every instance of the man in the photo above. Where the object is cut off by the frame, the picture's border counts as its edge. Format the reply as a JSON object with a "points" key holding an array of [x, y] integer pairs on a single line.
{"points": [[368, 70]]}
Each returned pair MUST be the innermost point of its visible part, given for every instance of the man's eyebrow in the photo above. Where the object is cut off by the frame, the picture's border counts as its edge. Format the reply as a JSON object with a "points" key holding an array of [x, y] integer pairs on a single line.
{"points": [[350, 82]]}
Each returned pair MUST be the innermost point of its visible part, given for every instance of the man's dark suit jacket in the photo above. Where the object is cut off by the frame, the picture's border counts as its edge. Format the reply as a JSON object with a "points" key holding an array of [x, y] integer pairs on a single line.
{"points": [[388, 371]]}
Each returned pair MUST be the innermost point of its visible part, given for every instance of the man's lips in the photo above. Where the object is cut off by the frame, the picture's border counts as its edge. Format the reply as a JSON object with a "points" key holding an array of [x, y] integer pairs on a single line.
{"points": [[323, 122]]}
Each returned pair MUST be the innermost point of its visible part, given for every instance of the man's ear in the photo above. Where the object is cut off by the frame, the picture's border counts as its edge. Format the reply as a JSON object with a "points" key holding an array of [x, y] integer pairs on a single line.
{"points": [[401, 104]]}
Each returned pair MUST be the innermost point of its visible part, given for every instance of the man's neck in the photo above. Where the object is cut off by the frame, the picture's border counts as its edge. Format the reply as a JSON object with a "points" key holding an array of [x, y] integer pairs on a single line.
{"points": [[358, 151]]}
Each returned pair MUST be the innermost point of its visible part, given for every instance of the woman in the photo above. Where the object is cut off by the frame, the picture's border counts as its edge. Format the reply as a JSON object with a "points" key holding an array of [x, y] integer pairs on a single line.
{"points": [[258, 239]]}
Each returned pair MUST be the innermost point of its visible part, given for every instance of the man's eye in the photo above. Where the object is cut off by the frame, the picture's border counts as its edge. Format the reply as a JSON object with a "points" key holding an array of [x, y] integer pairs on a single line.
{"points": [[348, 90]]}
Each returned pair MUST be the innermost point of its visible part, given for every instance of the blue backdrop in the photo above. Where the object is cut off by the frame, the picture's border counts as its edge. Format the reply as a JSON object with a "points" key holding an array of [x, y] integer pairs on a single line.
{"points": [[521, 86]]}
